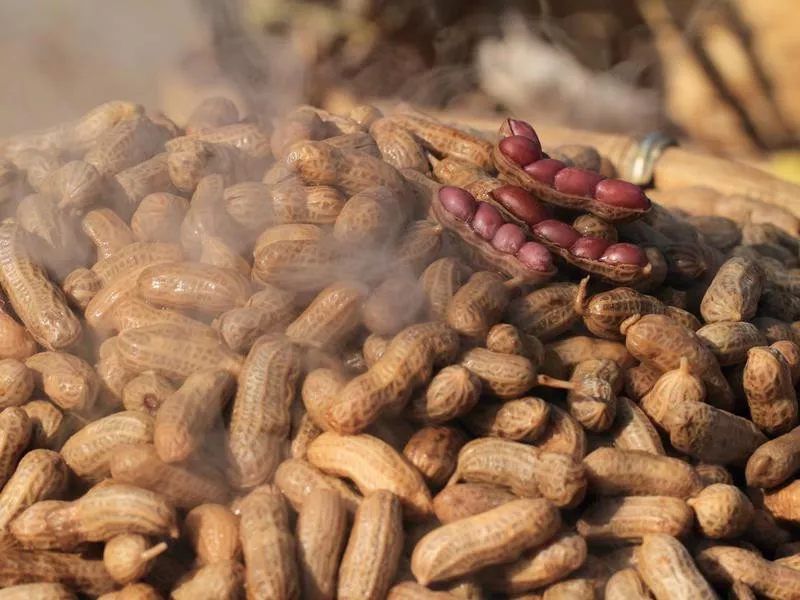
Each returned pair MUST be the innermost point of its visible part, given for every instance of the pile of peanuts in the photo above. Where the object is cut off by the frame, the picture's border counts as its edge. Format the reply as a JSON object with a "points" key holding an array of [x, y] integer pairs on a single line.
{"points": [[364, 356]]}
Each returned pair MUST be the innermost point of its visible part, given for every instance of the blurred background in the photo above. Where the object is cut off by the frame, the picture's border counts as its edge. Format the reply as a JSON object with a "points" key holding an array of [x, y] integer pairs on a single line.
{"points": [[717, 74]]}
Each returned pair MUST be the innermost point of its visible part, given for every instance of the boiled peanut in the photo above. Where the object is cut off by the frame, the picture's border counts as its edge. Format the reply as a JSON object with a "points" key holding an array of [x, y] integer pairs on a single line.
{"points": [[478, 305], [734, 292], [721, 511], [775, 461], [268, 545], [37, 591], [452, 392], [626, 584], [729, 564], [547, 312], [524, 419], [730, 340], [635, 517], [185, 416], [69, 382], [215, 581], [75, 572], [127, 557], [768, 388], [563, 435], [434, 452], [496, 536], [107, 231], [669, 571], [633, 430], [677, 384], [529, 472], [441, 280], [297, 478], [113, 510], [570, 351], [592, 398], [373, 549], [259, 426], [507, 339], [213, 531], [504, 375], [628, 473], [331, 317], [321, 536]]}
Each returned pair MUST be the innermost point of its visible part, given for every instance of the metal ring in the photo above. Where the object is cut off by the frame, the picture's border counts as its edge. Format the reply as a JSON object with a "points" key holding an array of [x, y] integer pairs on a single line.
{"points": [[648, 150]]}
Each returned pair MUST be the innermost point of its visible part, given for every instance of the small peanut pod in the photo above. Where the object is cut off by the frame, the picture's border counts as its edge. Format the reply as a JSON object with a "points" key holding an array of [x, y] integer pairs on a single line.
{"points": [[128, 557], [87, 576], [147, 392], [88, 452], [318, 163], [729, 564], [452, 392], [297, 478], [775, 461], [521, 420], [38, 591], [322, 529], [626, 585], [634, 517], [127, 144], [721, 511], [187, 415], [634, 473], [462, 500], [393, 305], [371, 219], [770, 393], [633, 430], [398, 146], [660, 342], [592, 400], [538, 567], [669, 571], [734, 292], [372, 465], [507, 339], [434, 452], [139, 465], [497, 536], [331, 317], [260, 421], [38, 303], [268, 545], [158, 218], [16, 383], [193, 286], [528, 471], [373, 549], [295, 257], [69, 382], [216, 581], [407, 363], [604, 312], [478, 305], [677, 385], [174, 351], [712, 435], [506, 376], [112, 510], [40, 475], [441, 280], [563, 435], [730, 340], [213, 532], [106, 231], [547, 312]]}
